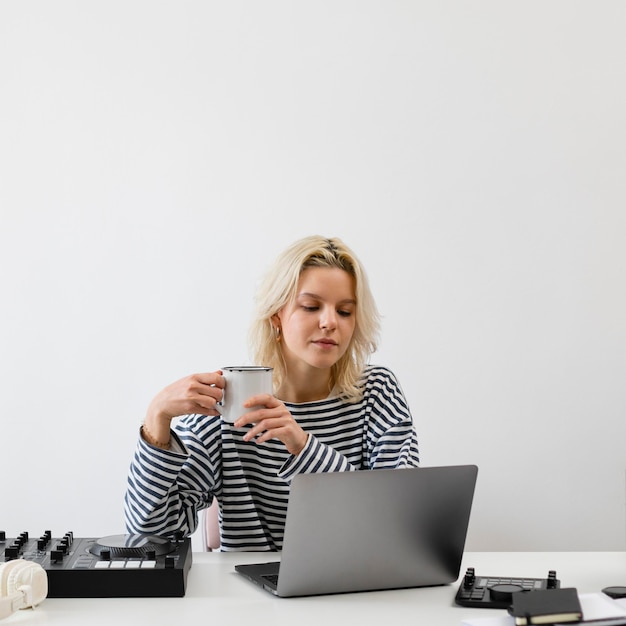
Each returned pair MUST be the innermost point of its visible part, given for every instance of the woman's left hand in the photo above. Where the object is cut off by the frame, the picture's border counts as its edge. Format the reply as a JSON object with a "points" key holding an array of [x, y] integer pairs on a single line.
{"points": [[272, 421]]}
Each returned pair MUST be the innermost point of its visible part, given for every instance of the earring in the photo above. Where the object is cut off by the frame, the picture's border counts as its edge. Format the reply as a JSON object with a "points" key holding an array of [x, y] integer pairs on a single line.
{"points": [[277, 333]]}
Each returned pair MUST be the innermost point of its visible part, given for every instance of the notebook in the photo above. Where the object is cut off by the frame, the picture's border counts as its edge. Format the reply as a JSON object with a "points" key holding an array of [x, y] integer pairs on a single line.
{"points": [[371, 530]]}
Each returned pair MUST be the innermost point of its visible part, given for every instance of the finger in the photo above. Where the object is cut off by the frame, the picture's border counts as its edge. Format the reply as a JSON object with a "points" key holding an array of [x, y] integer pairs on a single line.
{"points": [[269, 433], [259, 430], [211, 379], [255, 417], [246, 419], [266, 404], [205, 395], [207, 404], [262, 399], [193, 408]]}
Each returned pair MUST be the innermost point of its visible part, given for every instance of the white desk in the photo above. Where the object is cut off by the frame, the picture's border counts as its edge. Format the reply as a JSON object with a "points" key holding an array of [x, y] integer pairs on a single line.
{"points": [[218, 595]]}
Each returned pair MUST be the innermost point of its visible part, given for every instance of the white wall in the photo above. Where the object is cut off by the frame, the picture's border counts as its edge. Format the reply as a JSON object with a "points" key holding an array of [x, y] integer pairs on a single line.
{"points": [[156, 155]]}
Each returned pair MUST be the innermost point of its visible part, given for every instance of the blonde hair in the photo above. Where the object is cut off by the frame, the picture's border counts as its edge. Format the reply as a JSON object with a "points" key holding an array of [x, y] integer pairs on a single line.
{"points": [[279, 287]]}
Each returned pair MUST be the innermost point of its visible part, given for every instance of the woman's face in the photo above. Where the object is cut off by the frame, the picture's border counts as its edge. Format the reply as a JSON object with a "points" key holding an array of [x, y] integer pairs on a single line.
{"points": [[318, 325]]}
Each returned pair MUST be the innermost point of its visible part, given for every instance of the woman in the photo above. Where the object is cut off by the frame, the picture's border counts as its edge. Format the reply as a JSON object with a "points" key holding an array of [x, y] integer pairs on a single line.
{"points": [[316, 325]]}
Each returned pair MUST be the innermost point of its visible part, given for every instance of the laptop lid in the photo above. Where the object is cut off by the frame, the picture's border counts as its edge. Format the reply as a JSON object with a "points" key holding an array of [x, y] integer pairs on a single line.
{"points": [[372, 530]]}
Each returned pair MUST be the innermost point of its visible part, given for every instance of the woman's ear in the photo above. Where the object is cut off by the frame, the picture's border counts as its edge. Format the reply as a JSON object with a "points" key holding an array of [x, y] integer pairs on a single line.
{"points": [[276, 326], [275, 319]]}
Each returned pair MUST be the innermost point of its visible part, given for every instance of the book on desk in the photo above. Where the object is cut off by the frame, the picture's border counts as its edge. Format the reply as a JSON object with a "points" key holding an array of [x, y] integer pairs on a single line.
{"points": [[546, 606], [597, 608]]}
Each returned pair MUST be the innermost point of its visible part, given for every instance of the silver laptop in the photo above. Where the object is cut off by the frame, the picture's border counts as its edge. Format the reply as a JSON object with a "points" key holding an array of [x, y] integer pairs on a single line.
{"points": [[371, 530]]}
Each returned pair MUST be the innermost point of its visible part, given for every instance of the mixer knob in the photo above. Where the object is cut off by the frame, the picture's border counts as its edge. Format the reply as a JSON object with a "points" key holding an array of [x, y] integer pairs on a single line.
{"points": [[56, 556], [11, 552], [470, 577]]}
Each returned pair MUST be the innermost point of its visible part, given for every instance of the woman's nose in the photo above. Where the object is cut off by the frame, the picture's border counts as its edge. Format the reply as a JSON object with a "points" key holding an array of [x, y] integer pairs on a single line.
{"points": [[328, 319]]}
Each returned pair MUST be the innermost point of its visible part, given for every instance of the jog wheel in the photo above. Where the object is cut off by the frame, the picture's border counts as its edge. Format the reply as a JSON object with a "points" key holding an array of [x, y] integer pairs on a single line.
{"points": [[132, 546], [504, 592]]}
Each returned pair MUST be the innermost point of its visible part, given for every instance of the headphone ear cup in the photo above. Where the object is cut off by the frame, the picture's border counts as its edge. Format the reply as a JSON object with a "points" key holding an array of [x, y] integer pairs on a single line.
{"points": [[5, 571], [24, 577]]}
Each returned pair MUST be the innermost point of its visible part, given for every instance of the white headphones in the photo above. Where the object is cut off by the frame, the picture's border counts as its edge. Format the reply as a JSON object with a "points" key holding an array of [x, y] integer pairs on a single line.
{"points": [[22, 584]]}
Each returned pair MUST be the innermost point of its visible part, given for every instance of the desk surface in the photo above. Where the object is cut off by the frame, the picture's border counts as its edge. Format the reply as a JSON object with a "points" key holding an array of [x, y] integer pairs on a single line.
{"points": [[216, 594]]}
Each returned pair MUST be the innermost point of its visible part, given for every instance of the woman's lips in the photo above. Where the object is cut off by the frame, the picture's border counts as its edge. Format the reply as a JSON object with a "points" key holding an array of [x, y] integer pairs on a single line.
{"points": [[325, 343]]}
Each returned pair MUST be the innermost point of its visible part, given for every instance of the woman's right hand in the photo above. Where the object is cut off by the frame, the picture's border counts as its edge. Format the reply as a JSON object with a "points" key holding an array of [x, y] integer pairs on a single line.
{"points": [[198, 393]]}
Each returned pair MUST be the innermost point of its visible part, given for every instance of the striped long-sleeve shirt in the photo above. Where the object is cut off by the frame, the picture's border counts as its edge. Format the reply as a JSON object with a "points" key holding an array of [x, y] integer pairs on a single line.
{"points": [[167, 488]]}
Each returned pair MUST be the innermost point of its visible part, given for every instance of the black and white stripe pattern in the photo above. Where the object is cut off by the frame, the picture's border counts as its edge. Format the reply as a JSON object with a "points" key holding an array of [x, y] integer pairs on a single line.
{"points": [[166, 489]]}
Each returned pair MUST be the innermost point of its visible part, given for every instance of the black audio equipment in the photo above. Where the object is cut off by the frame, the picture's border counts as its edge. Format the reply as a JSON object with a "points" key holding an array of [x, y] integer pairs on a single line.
{"points": [[496, 592], [118, 566]]}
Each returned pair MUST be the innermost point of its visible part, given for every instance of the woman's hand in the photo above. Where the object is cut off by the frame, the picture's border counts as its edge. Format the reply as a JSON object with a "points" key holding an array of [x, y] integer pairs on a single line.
{"points": [[273, 421], [197, 393]]}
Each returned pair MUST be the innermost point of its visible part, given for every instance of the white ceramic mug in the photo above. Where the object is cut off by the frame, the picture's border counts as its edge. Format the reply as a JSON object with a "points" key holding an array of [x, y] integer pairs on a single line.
{"points": [[243, 382]]}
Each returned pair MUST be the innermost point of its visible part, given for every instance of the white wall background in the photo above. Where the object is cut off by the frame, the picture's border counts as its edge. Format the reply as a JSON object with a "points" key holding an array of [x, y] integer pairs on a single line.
{"points": [[156, 155]]}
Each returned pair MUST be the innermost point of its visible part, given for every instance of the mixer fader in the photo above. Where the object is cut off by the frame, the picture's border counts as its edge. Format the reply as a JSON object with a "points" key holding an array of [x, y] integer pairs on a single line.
{"points": [[108, 567]]}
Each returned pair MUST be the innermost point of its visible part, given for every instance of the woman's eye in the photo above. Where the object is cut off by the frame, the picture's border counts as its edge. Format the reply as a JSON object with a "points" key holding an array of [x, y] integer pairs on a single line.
{"points": [[345, 313], [310, 308]]}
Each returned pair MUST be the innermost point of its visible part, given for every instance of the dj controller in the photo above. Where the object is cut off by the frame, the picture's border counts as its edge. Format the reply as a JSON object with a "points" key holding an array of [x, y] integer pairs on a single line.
{"points": [[117, 566]]}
